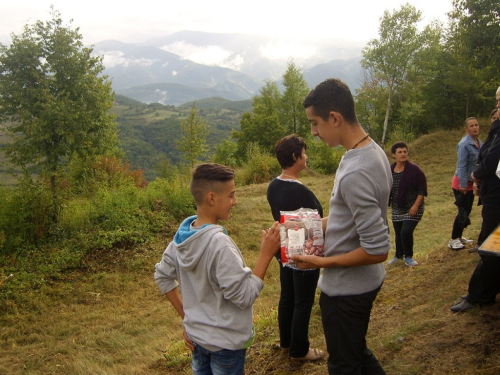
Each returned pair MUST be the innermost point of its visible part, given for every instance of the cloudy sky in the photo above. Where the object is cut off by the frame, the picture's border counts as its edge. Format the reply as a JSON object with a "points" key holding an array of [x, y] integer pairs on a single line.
{"points": [[136, 21]]}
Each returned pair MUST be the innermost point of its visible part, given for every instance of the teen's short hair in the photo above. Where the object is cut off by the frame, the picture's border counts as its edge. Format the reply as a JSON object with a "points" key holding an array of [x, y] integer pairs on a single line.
{"points": [[331, 95], [397, 145], [288, 147], [209, 177]]}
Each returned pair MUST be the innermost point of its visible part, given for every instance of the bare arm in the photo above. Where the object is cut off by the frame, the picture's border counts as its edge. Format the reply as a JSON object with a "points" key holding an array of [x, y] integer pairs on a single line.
{"points": [[357, 257], [270, 243], [175, 299]]}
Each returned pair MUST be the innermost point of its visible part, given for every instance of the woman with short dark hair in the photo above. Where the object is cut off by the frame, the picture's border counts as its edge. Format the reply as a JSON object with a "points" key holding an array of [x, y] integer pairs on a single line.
{"points": [[298, 287], [409, 187]]}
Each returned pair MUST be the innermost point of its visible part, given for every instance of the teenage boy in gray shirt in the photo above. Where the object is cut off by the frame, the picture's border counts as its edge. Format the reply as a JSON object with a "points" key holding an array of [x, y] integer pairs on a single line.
{"points": [[356, 233], [217, 288]]}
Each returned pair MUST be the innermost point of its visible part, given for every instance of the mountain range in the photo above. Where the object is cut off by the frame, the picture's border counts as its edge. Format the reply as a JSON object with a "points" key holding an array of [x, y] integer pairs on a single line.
{"points": [[192, 65]]}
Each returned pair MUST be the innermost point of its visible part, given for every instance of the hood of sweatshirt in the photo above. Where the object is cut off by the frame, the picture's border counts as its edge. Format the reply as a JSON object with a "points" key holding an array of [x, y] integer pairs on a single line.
{"points": [[191, 243]]}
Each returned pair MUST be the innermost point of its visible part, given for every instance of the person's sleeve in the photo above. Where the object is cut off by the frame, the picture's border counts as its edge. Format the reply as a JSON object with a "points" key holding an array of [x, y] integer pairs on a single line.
{"points": [[235, 280], [489, 163], [359, 193], [165, 274], [463, 156]]}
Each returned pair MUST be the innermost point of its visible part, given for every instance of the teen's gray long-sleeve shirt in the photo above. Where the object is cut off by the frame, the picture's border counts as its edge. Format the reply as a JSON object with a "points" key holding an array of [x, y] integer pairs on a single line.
{"points": [[358, 217], [217, 288]]}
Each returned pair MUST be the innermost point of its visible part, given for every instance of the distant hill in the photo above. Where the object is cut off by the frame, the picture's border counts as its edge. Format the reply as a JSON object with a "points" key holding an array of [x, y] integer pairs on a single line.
{"points": [[148, 133], [348, 71], [230, 66]]}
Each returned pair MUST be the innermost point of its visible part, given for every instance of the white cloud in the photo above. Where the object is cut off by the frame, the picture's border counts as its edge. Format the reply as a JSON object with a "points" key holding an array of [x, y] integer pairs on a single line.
{"points": [[115, 58], [206, 55]]}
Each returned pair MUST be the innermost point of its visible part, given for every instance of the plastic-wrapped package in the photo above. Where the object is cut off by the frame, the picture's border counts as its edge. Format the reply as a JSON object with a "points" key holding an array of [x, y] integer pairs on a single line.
{"points": [[301, 233]]}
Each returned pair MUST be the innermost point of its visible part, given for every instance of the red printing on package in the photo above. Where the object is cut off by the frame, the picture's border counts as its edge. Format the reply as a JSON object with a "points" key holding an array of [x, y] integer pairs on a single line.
{"points": [[301, 233]]}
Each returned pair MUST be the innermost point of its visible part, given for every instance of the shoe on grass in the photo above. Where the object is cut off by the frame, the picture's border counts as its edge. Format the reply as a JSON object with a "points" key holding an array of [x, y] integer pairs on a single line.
{"points": [[312, 355], [463, 306], [392, 261], [410, 262], [465, 241], [473, 249], [455, 244]]}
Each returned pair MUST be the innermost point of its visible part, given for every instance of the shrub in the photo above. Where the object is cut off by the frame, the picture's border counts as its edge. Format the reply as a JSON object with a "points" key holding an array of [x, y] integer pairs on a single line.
{"points": [[322, 158], [26, 214], [259, 167]]}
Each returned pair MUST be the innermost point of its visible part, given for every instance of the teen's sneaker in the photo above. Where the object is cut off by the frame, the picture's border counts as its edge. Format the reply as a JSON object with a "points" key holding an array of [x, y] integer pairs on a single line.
{"points": [[392, 261], [456, 244], [410, 262], [465, 241]]}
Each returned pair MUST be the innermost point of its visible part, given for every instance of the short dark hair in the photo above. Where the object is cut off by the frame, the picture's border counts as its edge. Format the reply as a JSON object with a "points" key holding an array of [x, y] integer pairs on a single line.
{"points": [[397, 145], [209, 177], [288, 147], [331, 95], [493, 112]]}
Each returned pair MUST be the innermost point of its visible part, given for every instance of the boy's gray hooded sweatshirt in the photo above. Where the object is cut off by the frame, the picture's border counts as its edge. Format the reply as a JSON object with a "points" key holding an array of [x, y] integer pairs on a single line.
{"points": [[217, 288]]}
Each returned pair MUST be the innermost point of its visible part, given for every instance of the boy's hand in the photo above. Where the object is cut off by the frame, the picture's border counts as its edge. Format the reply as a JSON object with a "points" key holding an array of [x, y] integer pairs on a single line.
{"points": [[187, 341], [271, 243]]}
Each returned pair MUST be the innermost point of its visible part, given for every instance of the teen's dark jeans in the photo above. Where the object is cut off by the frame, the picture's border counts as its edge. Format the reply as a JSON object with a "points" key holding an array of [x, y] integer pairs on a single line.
{"points": [[345, 323]]}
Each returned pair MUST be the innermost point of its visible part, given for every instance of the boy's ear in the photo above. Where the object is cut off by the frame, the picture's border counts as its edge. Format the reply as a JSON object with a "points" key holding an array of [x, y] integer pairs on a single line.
{"points": [[210, 198]]}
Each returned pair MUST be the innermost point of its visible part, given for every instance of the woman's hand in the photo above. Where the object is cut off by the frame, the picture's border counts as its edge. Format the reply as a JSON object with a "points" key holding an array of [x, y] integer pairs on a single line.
{"points": [[463, 190], [413, 210]]}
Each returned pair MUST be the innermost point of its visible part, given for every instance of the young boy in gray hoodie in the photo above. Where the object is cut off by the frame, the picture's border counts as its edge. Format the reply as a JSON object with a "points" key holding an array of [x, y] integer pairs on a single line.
{"points": [[217, 288]]}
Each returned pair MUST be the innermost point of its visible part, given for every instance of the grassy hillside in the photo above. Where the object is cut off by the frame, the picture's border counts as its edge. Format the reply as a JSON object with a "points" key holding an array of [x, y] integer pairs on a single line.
{"points": [[109, 317]]}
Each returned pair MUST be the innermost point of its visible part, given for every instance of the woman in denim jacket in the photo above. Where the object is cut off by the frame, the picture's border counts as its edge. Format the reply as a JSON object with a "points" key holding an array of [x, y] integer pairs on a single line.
{"points": [[462, 183]]}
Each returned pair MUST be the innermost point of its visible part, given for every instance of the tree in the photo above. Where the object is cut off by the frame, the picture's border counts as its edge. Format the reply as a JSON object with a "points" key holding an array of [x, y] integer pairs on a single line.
{"points": [[263, 125], [53, 98], [473, 44], [390, 57], [193, 142], [274, 114], [293, 116], [225, 153]]}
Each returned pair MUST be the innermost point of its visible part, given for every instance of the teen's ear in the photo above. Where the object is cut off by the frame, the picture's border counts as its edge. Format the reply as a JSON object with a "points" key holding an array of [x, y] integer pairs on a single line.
{"points": [[335, 117]]}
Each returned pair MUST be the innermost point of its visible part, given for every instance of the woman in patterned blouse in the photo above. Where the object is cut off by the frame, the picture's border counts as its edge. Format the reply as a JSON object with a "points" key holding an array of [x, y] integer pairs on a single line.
{"points": [[409, 187]]}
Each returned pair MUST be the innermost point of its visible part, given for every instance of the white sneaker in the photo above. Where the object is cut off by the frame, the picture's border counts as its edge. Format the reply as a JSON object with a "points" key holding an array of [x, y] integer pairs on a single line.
{"points": [[392, 261], [411, 262], [455, 244], [465, 241]]}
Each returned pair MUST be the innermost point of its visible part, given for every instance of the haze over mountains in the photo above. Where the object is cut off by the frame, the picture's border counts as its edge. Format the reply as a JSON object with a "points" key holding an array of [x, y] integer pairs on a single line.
{"points": [[191, 65]]}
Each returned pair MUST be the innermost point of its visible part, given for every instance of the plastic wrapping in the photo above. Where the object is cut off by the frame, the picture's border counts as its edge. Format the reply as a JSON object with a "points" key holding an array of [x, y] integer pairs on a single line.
{"points": [[301, 233]]}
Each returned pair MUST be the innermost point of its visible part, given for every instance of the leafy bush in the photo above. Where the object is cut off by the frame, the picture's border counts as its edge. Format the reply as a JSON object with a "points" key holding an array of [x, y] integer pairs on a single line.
{"points": [[26, 214], [322, 158], [260, 166]]}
